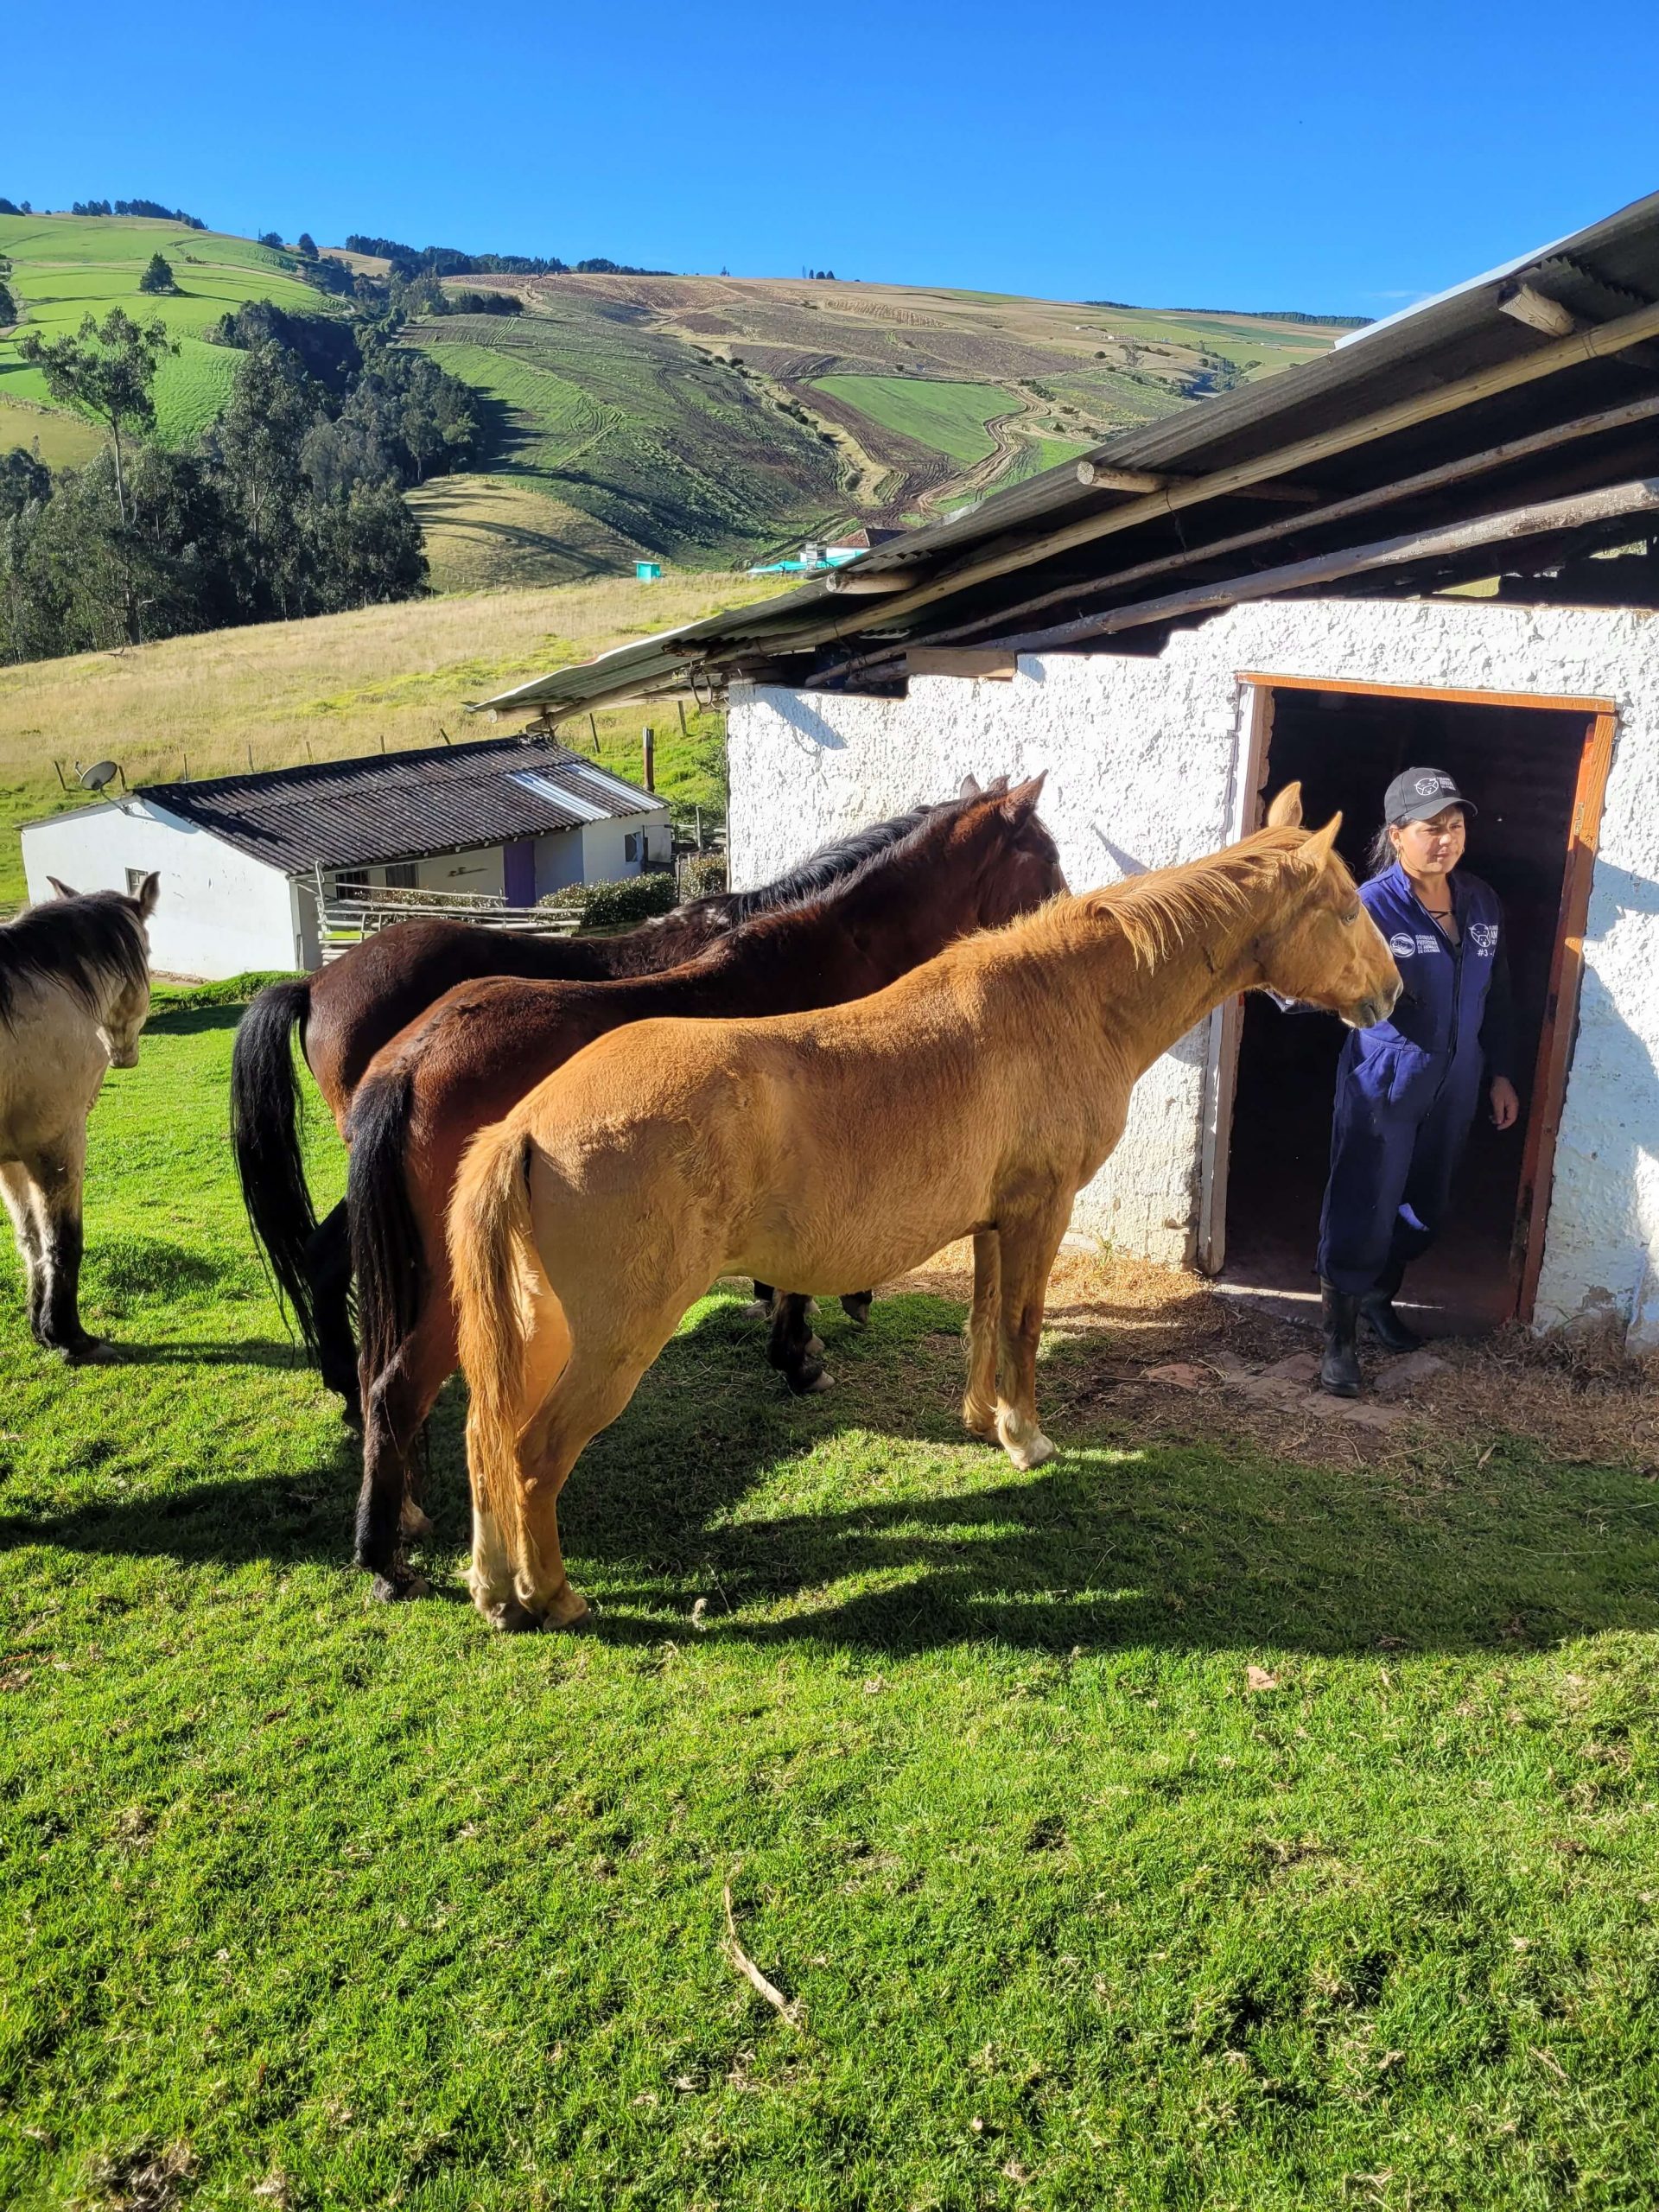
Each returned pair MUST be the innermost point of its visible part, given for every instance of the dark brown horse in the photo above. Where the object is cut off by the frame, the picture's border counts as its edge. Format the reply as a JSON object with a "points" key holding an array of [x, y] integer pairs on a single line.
{"points": [[973, 864], [348, 1010]]}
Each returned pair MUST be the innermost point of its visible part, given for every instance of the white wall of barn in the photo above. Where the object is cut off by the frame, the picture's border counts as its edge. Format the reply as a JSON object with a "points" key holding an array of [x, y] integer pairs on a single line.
{"points": [[219, 913], [1143, 759]]}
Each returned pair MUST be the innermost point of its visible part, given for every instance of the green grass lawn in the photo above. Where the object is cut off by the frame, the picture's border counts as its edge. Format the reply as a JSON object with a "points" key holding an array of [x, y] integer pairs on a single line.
{"points": [[308, 1902], [949, 418], [66, 266]]}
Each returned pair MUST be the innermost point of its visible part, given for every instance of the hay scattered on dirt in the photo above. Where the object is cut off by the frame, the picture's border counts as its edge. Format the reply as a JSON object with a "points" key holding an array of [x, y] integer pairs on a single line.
{"points": [[1578, 1405]]}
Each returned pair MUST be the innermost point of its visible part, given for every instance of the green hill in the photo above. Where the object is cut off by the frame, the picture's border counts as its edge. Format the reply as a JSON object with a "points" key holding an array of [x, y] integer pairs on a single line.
{"points": [[707, 421], [66, 266]]}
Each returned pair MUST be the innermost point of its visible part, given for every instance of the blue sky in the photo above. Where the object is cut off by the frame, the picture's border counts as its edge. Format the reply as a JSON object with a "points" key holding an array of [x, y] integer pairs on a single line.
{"points": [[1268, 155]]}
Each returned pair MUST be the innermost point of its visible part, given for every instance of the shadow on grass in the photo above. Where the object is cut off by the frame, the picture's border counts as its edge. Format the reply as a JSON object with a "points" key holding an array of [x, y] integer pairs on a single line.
{"points": [[1117, 1543], [240, 1351]]}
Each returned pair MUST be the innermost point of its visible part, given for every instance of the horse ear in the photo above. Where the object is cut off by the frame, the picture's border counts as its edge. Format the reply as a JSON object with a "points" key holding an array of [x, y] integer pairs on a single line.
{"points": [[61, 888], [1319, 846], [1286, 812], [1022, 799], [969, 788], [148, 892]]}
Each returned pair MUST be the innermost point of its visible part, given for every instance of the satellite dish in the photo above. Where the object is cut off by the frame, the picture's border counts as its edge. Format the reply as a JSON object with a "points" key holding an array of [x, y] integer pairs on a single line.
{"points": [[100, 773]]}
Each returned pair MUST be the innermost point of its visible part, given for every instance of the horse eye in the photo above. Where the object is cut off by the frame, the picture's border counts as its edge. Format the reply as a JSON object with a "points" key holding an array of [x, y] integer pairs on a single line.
{"points": [[1350, 918]]}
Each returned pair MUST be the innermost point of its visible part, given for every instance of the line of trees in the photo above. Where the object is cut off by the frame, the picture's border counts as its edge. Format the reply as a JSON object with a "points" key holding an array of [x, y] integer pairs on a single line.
{"points": [[449, 261], [152, 207], [291, 505]]}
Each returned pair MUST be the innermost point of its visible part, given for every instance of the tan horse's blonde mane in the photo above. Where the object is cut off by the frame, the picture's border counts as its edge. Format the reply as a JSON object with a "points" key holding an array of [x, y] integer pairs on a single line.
{"points": [[1155, 911]]}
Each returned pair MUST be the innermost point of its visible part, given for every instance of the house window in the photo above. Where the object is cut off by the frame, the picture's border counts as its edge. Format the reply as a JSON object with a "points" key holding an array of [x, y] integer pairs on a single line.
{"points": [[137, 879], [401, 875], [352, 883], [631, 845]]}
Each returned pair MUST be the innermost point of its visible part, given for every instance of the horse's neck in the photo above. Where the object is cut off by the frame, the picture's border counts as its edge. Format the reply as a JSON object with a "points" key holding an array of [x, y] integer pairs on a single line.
{"points": [[1205, 959], [900, 915]]}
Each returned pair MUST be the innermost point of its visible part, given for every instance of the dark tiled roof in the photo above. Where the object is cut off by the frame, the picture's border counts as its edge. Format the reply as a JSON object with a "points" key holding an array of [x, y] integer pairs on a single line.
{"points": [[395, 806]]}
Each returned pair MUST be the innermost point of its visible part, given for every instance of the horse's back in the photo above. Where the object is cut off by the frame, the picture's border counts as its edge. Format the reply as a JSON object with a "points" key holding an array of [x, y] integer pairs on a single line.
{"points": [[362, 1003]]}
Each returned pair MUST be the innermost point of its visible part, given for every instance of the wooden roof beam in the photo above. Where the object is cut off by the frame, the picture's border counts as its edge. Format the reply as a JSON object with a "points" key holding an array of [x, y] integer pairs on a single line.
{"points": [[868, 583], [1555, 319], [1538, 311], [1582, 512]]}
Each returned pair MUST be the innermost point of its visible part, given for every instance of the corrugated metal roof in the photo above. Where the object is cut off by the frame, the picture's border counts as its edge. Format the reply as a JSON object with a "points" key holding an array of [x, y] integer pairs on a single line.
{"points": [[1604, 271], [400, 806]]}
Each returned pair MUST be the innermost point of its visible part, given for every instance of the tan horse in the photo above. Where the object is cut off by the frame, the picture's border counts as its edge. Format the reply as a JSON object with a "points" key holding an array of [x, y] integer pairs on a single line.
{"points": [[74, 994], [669, 1153]]}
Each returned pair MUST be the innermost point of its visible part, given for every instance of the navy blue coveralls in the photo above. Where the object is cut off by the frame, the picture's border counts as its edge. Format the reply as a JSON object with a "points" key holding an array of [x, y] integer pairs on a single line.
{"points": [[1408, 1089]]}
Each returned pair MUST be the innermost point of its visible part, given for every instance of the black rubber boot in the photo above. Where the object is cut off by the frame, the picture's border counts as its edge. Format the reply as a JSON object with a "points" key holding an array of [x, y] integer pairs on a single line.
{"points": [[1340, 1369], [1377, 1311]]}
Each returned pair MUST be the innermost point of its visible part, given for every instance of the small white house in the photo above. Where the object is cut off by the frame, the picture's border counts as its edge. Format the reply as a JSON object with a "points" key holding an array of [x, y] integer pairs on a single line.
{"points": [[242, 860]]}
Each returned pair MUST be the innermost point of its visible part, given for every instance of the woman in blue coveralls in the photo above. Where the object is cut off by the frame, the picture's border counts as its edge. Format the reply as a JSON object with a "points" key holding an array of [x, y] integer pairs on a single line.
{"points": [[1408, 1089]]}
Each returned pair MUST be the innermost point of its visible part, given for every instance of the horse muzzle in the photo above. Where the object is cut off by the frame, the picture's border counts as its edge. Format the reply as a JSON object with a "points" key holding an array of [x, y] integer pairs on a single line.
{"points": [[1377, 1007]]}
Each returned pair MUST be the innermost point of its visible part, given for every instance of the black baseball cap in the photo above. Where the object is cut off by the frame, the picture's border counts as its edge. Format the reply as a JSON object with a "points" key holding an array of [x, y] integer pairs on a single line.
{"points": [[1419, 794]]}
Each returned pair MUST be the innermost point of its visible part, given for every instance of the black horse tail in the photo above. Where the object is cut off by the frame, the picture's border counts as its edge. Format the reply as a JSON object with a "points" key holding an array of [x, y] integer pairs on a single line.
{"points": [[388, 1257], [265, 1135]]}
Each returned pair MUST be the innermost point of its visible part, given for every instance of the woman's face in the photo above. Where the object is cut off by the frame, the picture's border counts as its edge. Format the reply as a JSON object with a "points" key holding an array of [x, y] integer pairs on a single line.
{"points": [[1431, 848]]}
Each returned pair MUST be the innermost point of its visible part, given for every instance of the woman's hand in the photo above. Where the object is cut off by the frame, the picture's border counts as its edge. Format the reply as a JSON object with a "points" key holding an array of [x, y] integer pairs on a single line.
{"points": [[1506, 1105]]}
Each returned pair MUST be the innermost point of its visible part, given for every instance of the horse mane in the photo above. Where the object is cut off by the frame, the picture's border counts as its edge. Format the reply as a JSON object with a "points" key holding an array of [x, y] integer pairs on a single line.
{"points": [[1154, 911], [85, 946], [817, 873]]}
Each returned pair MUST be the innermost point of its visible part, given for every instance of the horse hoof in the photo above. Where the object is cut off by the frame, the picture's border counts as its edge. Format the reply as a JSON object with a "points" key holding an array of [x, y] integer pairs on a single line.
{"points": [[412, 1521], [1036, 1453], [89, 1351], [983, 1425], [758, 1309], [857, 1309], [821, 1380], [567, 1612], [815, 1347], [393, 1589]]}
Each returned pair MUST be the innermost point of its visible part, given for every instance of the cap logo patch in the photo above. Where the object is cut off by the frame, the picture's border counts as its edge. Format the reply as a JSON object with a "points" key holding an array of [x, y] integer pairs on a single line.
{"points": [[1402, 946], [1425, 786]]}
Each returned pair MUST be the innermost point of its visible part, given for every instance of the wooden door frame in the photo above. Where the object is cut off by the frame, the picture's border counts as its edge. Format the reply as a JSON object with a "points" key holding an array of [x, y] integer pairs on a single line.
{"points": [[1556, 1044], [1560, 1027], [1221, 1055]]}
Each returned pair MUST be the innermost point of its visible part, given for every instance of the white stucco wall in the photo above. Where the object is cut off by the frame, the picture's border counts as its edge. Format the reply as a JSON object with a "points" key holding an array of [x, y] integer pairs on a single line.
{"points": [[604, 845], [220, 913], [1142, 758]]}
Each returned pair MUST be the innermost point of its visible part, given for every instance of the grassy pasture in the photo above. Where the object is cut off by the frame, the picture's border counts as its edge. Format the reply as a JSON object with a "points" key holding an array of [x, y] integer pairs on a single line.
{"points": [[67, 266], [951, 417], [306, 1903], [284, 692]]}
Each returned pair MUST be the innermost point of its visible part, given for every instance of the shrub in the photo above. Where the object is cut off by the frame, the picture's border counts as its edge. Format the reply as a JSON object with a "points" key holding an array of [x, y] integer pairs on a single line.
{"points": [[700, 875], [616, 906]]}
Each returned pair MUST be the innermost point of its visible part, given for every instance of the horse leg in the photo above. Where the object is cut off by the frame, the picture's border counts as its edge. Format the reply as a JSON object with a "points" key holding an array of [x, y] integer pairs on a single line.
{"points": [[576, 1378], [979, 1403], [395, 1404], [57, 1173], [761, 1305], [856, 1306], [1029, 1243], [793, 1348], [328, 1265], [19, 1194]]}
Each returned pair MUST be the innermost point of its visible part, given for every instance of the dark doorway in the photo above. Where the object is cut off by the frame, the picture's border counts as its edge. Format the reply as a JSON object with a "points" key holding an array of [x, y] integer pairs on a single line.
{"points": [[1521, 765]]}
